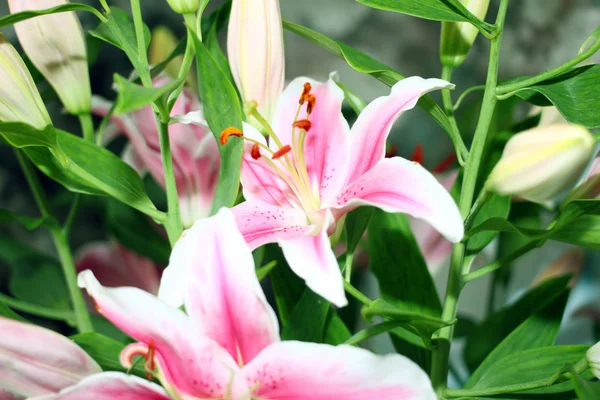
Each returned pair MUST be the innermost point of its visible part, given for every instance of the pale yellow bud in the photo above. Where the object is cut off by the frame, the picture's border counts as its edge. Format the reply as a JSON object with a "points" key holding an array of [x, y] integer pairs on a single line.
{"points": [[255, 51], [593, 358], [20, 100], [458, 37], [55, 44], [541, 163]]}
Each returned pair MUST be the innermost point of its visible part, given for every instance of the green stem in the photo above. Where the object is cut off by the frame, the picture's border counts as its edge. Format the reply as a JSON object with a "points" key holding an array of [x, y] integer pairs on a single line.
{"points": [[188, 58], [505, 91], [483, 197], [461, 150], [443, 338], [348, 267], [103, 123], [138, 23], [82, 317], [464, 94], [357, 294], [37, 310], [87, 126], [173, 224], [501, 262], [72, 214]]}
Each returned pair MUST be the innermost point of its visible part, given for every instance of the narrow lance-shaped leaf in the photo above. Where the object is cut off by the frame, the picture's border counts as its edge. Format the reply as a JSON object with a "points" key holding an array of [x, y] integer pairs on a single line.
{"points": [[222, 110], [12, 19]]}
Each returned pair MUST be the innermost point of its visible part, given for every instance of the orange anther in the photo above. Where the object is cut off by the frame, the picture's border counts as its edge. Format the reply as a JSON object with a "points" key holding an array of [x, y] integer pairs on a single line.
{"points": [[231, 131], [305, 92], [255, 151], [417, 155], [445, 164], [150, 365], [282, 152], [303, 124], [311, 99]]}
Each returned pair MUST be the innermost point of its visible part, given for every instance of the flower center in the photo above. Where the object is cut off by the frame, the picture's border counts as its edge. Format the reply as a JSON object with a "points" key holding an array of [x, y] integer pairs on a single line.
{"points": [[288, 161]]}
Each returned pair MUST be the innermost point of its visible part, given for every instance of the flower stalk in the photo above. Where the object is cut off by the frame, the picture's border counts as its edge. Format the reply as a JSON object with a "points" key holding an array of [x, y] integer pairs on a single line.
{"points": [[442, 340]]}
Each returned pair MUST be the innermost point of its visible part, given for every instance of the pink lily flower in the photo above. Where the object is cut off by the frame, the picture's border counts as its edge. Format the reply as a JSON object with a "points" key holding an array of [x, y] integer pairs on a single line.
{"points": [[227, 345], [39, 364], [316, 170], [115, 265], [195, 153]]}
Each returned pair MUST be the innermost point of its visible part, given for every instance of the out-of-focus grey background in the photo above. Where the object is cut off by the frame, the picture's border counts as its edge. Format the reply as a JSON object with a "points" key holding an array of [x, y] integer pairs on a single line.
{"points": [[539, 34]]}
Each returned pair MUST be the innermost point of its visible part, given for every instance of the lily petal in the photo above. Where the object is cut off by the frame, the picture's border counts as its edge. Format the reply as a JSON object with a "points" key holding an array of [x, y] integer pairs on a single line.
{"points": [[371, 129], [110, 386], [399, 185], [192, 364], [311, 258], [35, 361], [326, 148], [262, 223], [213, 266], [297, 370], [259, 180]]}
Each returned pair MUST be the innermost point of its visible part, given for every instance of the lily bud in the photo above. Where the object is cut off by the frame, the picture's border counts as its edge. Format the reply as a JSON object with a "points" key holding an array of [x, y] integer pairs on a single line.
{"points": [[541, 163], [458, 37], [589, 187], [184, 6], [55, 44], [593, 358], [21, 101], [255, 50]]}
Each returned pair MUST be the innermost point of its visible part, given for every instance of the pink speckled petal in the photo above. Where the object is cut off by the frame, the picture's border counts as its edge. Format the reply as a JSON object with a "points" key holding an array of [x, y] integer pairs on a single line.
{"points": [[213, 267], [35, 361], [399, 185], [326, 147], [296, 371], [194, 365], [312, 259], [110, 386], [371, 129], [262, 223]]}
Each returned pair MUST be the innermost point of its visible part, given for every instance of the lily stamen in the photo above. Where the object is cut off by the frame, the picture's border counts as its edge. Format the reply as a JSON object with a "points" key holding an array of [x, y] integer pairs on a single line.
{"points": [[281, 152]]}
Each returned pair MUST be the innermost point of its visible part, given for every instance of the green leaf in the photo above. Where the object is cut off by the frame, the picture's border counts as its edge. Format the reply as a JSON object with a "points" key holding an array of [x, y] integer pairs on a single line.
{"points": [[336, 331], [532, 321], [356, 223], [135, 231], [423, 324], [404, 279], [583, 231], [216, 21], [396, 261], [120, 32], [362, 63], [40, 283], [307, 321], [374, 330], [6, 312], [437, 10], [81, 164], [30, 223], [263, 271], [530, 365], [353, 99], [133, 97], [12, 19], [496, 206], [105, 351], [586, 390], [574, 93]]}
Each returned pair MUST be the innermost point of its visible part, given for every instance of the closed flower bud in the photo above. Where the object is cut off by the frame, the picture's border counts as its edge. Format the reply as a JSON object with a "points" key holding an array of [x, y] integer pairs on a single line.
{"points": [[589, 187], [593, 358], [255, 50], [184, 6], [20, 99], [55, 44], [543, 162], [458, 37]]}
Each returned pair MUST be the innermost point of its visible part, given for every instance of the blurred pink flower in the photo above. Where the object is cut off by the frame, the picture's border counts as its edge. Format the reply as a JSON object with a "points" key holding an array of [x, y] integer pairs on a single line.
{"points": [[115, 265], [196, 158]]}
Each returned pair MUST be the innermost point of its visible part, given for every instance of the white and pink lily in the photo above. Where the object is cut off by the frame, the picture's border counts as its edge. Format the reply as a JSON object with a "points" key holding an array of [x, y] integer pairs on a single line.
{"points": [[39, 364], [316, 169], [226, 345], [194, 149]]}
